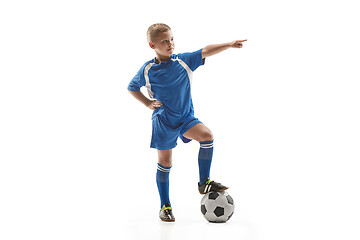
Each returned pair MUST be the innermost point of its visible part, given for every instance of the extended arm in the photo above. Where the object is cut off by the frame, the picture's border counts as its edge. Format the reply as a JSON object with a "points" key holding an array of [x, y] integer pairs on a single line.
{"points": [[144, 100], [217, 48]]}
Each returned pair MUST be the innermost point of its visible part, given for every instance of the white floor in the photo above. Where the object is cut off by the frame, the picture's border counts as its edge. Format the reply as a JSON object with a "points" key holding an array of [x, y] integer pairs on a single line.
{"points": [[100, 193], [189, 229]]}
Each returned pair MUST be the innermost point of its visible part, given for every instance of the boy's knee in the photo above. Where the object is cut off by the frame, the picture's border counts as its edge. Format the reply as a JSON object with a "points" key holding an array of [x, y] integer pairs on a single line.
{"points": [[165, 163], [165, 158], [206, 136]]}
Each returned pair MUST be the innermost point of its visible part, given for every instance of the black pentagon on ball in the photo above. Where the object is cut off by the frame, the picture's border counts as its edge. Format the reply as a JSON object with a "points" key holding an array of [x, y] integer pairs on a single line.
{"points": [[219, 211], [213, 195], [203, 209], [230, 199]]}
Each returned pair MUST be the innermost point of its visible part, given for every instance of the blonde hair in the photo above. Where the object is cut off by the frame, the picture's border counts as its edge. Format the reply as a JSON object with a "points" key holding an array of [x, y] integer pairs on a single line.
{"points": [[156, 28]]}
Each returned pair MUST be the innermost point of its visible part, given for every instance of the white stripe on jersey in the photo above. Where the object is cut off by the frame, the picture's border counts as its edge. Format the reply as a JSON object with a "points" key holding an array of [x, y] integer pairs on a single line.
{"points": [[148, 85], [184, 65]]}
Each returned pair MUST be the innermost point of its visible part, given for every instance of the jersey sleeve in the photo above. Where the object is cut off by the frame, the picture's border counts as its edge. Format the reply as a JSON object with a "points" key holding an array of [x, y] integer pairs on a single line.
{"points": [[138, 81], [193, 59]]}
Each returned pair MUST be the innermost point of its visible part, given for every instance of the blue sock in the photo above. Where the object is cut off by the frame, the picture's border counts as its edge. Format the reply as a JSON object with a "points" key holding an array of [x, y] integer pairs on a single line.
{"points": [[205, 158], [162, 180]]}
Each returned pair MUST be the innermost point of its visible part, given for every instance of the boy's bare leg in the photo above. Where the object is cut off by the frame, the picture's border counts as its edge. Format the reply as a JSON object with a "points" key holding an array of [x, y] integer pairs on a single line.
{"points": [[165, 157], [199, 133]]}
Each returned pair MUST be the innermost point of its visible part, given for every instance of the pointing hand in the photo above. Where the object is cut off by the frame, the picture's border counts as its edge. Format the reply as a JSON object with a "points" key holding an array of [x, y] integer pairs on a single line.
{"points": [[238, 43]]}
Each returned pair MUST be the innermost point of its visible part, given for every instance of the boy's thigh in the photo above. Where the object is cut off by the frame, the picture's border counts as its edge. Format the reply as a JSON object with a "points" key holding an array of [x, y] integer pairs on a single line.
{"points": [[199, 132]]}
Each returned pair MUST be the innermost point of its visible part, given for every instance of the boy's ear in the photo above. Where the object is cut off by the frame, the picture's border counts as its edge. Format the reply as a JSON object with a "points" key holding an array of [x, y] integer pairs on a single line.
{"points": [[151, 45]]}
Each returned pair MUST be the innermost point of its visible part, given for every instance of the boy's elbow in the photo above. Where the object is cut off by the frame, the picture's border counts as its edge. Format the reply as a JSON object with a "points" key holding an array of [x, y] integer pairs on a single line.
{"points": [[204, 53], [133, 92], [130, 91]]}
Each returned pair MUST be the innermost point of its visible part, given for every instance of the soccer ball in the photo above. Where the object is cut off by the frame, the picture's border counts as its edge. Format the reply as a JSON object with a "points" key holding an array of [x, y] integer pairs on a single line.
{"points": [[217, 207]]}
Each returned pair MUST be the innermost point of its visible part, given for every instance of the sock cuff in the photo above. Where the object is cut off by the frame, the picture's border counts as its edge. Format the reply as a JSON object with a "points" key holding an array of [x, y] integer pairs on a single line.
{"points": [[206, 144], [162, 168]]}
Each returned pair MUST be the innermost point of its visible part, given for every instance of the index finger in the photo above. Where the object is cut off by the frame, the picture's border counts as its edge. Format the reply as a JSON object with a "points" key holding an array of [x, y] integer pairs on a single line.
{"points": [[243, 40]]}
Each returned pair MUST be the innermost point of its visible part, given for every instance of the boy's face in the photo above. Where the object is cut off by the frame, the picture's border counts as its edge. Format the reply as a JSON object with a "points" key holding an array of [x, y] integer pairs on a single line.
{"points": [[163, 44]]}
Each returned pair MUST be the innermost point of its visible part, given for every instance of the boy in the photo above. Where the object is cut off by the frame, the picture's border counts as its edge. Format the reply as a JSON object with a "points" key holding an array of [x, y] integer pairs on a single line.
{"points": [[167, 78]]}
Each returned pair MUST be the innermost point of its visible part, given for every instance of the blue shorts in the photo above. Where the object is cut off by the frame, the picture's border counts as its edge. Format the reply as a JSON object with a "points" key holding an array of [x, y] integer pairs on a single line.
{"points": [[165, 137]]}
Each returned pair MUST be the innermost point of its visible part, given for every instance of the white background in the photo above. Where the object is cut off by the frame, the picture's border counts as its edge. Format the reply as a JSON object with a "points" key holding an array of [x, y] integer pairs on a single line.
{"points": [[284, 110]]}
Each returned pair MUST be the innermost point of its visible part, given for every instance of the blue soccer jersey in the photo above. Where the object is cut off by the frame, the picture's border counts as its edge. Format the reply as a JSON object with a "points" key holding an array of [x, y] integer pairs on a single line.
{"points": [[169, 82]]}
